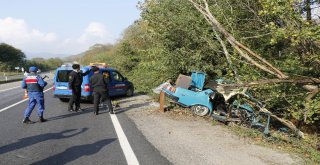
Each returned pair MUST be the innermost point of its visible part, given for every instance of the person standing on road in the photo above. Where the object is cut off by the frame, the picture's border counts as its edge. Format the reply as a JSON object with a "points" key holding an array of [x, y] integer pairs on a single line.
{"points": [[75, 81], [34, 84], [100, 91]]}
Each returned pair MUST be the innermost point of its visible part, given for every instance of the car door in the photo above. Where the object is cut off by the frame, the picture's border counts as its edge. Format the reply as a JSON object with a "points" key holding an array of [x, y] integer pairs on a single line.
{"points": [[117, 85], [61, 82]]}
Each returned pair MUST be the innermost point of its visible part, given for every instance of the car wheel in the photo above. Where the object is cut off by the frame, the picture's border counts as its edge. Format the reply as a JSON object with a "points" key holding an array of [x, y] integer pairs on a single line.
{"points": [[129, 92], [200, 110], [64, 99]]}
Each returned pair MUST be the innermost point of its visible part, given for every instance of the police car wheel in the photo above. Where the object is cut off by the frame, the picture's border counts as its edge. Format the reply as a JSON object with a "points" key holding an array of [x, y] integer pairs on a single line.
{"points": [[64, 99], [129, 92]]}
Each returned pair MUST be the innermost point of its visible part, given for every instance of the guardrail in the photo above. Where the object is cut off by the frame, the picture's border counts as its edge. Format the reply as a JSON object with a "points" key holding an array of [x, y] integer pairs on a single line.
{"points": [[4, 79], [20, 76]]}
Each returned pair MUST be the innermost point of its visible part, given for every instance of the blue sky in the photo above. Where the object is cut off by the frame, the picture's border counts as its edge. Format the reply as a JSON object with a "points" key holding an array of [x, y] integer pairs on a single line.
{"points": [[64, 26]]}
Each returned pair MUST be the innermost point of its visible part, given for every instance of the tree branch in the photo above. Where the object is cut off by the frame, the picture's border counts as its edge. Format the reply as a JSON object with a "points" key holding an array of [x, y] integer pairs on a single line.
{"points": [[205, 11], [304, 81]]}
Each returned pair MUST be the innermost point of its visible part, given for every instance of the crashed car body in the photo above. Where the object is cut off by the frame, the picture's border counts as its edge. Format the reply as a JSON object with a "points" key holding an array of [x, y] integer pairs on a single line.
{"points": [[195, 97], [217, 100]]}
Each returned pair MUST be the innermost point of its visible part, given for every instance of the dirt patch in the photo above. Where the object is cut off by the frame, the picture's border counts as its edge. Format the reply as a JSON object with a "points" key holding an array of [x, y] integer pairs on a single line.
{"points": [[187, 139]]}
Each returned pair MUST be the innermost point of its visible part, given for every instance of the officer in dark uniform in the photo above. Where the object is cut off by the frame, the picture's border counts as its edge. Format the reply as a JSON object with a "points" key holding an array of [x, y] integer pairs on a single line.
{"points": [[34, 85], [100, 90], [75, 81]]}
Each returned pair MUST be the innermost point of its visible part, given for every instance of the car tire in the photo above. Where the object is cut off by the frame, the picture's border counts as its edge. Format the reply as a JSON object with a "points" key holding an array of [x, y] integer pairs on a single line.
{"points": [[64, 99], [129, 92], [200, 110]]}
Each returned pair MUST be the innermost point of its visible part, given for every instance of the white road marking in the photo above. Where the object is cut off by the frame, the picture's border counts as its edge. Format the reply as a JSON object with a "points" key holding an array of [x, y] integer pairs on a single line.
{"points": [[6, 108], [124, 143], [9, 89]]}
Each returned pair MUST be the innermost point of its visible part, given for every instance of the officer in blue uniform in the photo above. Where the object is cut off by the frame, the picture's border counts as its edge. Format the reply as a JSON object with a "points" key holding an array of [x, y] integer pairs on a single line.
{"points": [[34, 85], [75, 81]]}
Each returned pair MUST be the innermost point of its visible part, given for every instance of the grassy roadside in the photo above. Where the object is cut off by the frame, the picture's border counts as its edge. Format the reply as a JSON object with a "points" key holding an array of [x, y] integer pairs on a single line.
{"points": [[305, 148], [13, 80], [10, 73]]}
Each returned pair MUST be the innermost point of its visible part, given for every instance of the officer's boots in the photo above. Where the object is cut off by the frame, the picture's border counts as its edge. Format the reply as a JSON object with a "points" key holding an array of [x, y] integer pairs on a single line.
{"points": [[27, 121], [41, 119], [78, 109], [70, 109]]}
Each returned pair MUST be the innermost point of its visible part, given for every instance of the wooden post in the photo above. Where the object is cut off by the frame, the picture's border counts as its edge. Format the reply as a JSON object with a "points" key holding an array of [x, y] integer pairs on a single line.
{"points": [[162, 96]]}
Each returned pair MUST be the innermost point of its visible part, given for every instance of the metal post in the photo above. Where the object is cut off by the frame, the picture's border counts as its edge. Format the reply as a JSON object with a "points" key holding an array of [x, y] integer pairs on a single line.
{"points": [[162, 97]]}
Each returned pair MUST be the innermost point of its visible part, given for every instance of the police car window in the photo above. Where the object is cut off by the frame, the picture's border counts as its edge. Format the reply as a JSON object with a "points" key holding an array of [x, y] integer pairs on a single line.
{"points": [[106, 75], [63, 75], [116, 76]]}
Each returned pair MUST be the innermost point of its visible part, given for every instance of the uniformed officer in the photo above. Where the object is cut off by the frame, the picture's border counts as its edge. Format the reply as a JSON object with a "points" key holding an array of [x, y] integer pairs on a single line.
{"points": [[34, 85], [100, 90], [75, 81]]}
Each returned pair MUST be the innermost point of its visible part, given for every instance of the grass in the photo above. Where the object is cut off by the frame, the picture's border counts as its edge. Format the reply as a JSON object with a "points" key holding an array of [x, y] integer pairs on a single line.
{"points": [[10, 73], [13, 80], [305, 148]]}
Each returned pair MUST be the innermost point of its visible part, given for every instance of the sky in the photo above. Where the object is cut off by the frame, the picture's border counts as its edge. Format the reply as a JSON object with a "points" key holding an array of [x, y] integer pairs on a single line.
{"points": [[65, 27]]}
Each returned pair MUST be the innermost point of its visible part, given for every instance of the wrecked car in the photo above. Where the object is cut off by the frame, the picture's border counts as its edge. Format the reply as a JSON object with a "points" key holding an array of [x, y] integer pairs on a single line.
{"points": [[212, 98]]}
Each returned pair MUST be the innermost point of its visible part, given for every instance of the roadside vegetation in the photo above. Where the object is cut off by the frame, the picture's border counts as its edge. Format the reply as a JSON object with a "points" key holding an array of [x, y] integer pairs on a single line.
{"points": [[11, 57], [283, 141], [173, 37]]}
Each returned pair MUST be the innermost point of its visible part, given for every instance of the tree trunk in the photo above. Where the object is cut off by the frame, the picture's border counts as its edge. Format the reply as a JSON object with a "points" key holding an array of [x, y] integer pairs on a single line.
{"points": [[301, 81], [308, 9], [203, 8], [226, 53], [287, 123], [314, 90]]}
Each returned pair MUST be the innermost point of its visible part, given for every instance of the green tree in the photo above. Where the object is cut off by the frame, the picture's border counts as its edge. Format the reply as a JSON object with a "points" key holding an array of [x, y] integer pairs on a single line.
{"points": [[10, 57], [53, 63]]}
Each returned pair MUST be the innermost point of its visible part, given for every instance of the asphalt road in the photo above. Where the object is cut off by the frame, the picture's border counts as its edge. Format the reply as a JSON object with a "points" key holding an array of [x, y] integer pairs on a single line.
{"points": [[69, 137]]}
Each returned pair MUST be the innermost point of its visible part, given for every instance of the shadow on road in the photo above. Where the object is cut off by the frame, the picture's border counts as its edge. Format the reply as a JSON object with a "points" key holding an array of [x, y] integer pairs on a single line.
{"points": [[28, 141], [132, 106], [75, 152], [70, 114]]}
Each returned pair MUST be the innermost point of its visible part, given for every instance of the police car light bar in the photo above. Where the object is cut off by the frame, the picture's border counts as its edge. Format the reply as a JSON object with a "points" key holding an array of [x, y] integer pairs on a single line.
{"points": [[99, 64]]}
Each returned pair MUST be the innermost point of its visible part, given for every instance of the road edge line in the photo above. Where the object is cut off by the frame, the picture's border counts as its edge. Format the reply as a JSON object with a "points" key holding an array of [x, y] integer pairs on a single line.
{"points": [[10, 106], [124, 143], [9, 89]]}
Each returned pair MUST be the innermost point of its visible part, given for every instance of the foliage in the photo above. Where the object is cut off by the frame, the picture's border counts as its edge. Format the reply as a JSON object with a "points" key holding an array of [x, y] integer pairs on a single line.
{"points": [[44, 64], [306, 149], [173, 38], [10, 57]]}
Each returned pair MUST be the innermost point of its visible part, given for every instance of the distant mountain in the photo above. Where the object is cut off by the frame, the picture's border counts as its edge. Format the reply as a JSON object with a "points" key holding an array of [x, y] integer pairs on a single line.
{"points": [[31, 55], [92, 48], [72, 58]]}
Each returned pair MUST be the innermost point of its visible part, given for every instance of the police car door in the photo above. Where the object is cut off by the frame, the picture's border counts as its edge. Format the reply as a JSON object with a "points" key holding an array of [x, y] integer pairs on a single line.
{"points": [[61, 82], [118, 87]]}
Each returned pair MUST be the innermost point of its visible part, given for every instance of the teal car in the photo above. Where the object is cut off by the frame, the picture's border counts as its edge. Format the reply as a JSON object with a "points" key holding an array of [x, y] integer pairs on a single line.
{"points": [[195, 97]]}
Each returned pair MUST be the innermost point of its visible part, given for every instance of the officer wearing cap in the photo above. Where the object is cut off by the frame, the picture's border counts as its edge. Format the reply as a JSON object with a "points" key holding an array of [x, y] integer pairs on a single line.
{"points": [[75, 81], [100, 91], [34, 85]]}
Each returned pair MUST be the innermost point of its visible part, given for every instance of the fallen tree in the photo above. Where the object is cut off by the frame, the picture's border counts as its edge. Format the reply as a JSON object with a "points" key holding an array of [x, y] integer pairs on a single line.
{"points": [[203, 7], [308, 83], [228, 93], [301, 81]]}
